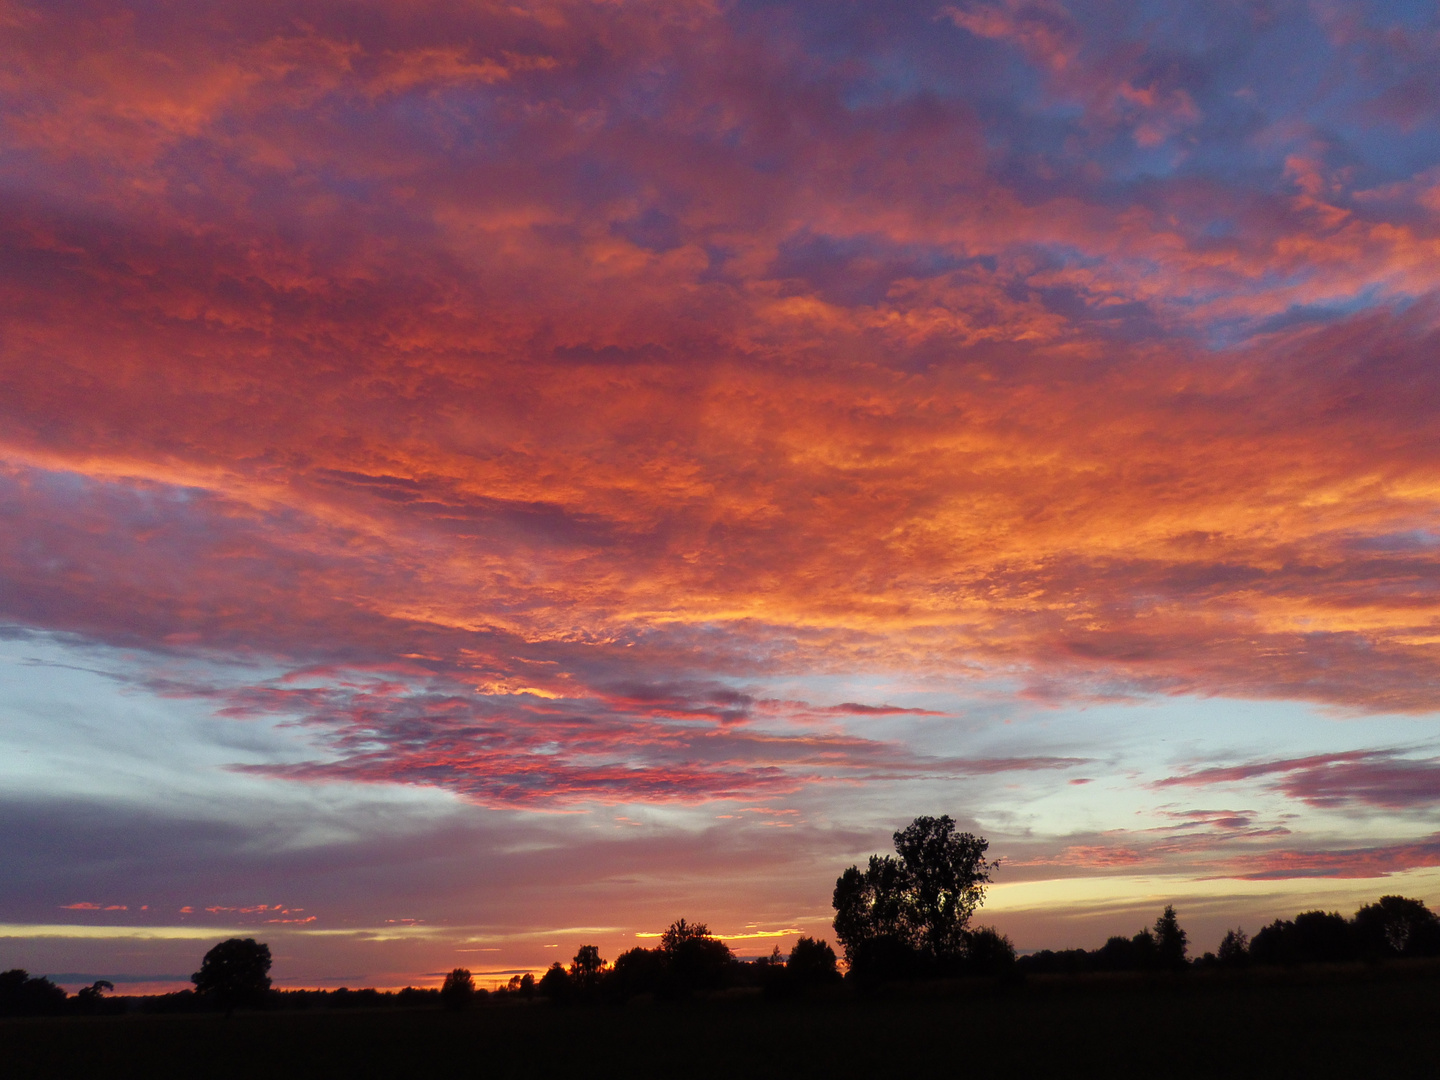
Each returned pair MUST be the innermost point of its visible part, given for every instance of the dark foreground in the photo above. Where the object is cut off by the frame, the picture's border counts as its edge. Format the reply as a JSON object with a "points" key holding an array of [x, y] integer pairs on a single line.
{"points": [[1373, 1024]]}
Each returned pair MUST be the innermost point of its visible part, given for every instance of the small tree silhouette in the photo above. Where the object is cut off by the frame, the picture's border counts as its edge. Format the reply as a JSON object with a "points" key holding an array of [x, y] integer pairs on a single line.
{"points": [[586, 969], [555, 983], [90, 998], [1170, 940], [1234, 949], [458, 990], [989, 952], [235, 972], [812, 963]]}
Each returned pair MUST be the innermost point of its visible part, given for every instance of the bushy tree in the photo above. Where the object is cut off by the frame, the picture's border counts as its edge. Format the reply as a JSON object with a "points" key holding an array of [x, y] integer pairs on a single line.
{"points": [[636, 971], [907, 914], [23, 994], [989, 952], [1312, 937], [811, 963], [458, 990], [694, 960], [1397, 926], [945, 877], [235, 972]]}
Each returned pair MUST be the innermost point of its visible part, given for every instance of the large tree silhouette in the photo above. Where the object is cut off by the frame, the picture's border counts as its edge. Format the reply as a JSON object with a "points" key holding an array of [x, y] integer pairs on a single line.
{"points": [[907, 913], [458, 990], [235, 972], [693, 959], [1397, 926]]}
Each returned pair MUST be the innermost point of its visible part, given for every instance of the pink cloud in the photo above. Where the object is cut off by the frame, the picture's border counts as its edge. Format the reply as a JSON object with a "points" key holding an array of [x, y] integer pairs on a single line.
{"points": [[1379, 778], [1363, 862], [517, 399]]}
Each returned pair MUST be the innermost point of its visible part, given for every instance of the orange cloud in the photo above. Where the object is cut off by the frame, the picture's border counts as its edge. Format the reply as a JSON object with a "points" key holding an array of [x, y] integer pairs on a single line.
{"points": [[534, 394]]}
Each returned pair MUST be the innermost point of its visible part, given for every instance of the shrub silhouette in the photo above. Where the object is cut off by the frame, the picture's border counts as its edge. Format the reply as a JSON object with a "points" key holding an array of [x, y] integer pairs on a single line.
{"points": [[235, 972], [989, 952]]}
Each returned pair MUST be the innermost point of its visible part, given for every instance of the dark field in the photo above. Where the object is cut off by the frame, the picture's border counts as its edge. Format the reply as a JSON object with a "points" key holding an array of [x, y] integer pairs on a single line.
{"points": [[1357, 1024]]}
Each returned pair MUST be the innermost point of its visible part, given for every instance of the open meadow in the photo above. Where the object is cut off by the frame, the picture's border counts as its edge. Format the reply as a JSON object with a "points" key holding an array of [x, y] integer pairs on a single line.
{"points": [[1375, 1022]]}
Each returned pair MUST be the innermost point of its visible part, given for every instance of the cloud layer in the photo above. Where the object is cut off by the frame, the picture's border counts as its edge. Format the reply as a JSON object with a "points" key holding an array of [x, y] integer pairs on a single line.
{"points": [[523, 400]]}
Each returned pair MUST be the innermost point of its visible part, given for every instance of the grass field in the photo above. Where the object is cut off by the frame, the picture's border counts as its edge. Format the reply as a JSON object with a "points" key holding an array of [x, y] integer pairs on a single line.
{"points": [[1351, 1025]]}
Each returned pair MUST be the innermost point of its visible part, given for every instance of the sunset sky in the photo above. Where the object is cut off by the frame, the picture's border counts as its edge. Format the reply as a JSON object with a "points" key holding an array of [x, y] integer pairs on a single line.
{"points": [[480, 478]]}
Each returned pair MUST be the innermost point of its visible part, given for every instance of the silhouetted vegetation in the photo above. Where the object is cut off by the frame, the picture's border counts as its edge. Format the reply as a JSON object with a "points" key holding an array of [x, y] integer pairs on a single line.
{"points": [[1394, 927], [458, 990], [906, 916], [903, 919], [1363, 1020], [22, 994], [235, 972]]}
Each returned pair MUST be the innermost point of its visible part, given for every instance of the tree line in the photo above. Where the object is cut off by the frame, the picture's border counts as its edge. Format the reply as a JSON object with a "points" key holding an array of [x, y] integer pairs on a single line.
{"points": [[903, 917]]}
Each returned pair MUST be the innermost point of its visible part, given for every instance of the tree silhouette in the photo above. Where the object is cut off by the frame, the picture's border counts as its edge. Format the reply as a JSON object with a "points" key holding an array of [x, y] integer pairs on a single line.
{"points": [[636, 971], [586, 969], [235, 972], [1312, 937], [946, 873], [458, 990], [812, 963], [693, 959], [23, 994], [1397, 926], [1170, 940], [89, 999], [989, 952], [1234, 949], [555, 983], [906, 914]]}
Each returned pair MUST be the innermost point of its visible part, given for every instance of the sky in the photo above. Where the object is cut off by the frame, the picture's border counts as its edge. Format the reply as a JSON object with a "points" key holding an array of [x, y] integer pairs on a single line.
{"points": [[478, 479]]}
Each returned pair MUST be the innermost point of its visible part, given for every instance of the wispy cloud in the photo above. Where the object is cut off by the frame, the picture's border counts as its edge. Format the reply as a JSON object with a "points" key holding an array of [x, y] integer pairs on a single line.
{"points": [[1380, 778]]}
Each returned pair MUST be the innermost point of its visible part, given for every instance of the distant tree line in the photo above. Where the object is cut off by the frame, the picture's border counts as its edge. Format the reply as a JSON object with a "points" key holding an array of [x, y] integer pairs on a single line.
{"points": [[1392, 928], [688, 961], [903, 917], [1161, 948]]}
